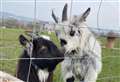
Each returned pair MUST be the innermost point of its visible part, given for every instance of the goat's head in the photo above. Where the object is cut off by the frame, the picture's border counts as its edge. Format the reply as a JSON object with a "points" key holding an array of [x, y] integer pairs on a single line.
{"points": [[39, 47], [70, 32]]}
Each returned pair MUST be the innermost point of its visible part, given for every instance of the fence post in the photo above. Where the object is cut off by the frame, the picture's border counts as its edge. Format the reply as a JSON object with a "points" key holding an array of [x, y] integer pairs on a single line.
{"points": [[111, 38]]}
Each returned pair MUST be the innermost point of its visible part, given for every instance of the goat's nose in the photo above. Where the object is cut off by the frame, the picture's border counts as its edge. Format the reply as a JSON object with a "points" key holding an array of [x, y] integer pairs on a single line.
{"points": [[63, 42]]}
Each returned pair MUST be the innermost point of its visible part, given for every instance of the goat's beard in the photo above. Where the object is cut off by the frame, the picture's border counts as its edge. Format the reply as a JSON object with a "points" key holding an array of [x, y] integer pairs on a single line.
{"points": [[71, 52]]}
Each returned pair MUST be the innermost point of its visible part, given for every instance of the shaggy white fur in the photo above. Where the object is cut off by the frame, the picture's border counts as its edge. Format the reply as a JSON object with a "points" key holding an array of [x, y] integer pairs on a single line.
{"points": [[86, 63]]}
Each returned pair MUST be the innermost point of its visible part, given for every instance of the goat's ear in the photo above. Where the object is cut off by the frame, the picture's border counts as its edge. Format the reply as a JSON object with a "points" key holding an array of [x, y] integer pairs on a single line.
{"points": [[23, 40], [85, 15], [64, 13]]}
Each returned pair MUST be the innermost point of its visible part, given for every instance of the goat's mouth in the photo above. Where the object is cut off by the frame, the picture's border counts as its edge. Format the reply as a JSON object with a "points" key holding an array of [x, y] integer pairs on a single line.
{"points": [[72, 52]]}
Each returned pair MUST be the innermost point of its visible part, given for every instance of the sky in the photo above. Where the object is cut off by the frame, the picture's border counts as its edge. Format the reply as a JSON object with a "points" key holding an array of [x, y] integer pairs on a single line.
{"points": [[109, 15]]}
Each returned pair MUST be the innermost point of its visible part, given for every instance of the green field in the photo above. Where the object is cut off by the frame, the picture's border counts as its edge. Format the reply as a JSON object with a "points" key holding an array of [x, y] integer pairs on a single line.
{"points": [[10, 49]]}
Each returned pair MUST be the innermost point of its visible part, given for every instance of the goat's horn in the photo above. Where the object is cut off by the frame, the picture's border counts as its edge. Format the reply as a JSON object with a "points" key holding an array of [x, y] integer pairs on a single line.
{"points": [[64, 13], [54, 17]]}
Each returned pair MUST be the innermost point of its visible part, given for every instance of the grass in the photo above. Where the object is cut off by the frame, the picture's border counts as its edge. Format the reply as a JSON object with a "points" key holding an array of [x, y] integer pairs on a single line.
{"points": [[10, 49]]}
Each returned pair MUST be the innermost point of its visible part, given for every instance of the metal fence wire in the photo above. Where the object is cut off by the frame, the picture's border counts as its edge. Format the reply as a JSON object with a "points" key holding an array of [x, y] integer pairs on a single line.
{"points": [[10, 51]]}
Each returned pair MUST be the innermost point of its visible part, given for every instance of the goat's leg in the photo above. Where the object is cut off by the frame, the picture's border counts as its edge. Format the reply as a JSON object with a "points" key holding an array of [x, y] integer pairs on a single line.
{"points": [[67, 73], [70, 79]]}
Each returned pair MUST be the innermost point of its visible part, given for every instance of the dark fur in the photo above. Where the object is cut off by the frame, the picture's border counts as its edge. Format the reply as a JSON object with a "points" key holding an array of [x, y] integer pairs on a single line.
{"points": [[50, 51]]}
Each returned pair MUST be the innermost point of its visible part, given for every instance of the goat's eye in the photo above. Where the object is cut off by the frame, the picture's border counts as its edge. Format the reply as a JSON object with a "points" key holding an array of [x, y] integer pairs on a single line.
{"points": [[63, 42], [72, 33], [43, 47]]}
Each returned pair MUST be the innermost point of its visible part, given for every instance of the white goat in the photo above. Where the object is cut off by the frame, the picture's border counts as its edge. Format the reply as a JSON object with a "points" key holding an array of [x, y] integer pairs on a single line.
{"points": [[82, 51]]}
